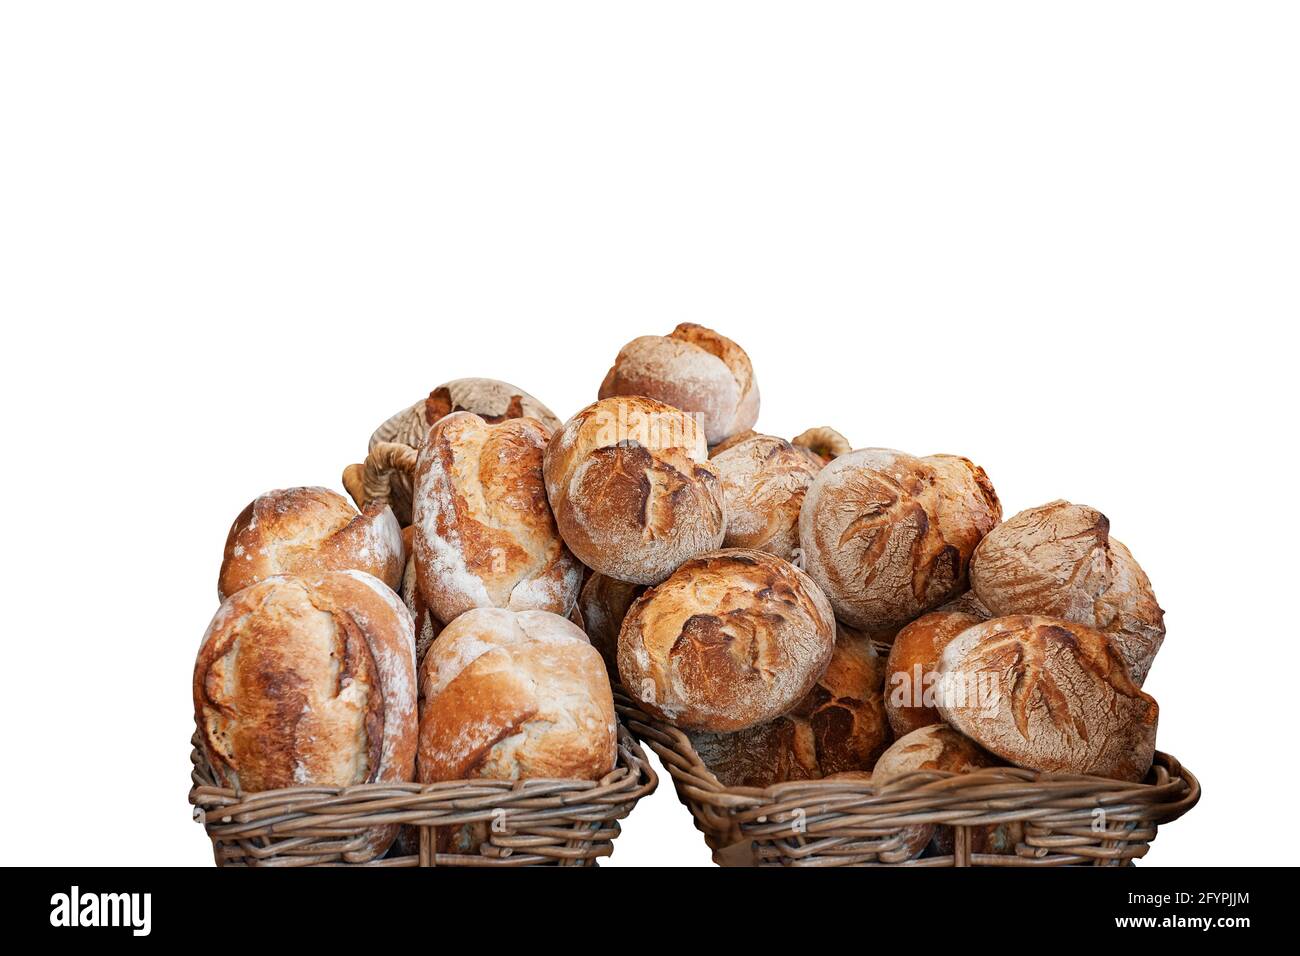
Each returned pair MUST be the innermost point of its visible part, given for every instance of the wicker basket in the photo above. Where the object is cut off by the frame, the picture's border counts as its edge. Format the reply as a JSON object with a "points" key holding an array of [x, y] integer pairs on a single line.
{"points": [[1067, 820], [526, 822]]}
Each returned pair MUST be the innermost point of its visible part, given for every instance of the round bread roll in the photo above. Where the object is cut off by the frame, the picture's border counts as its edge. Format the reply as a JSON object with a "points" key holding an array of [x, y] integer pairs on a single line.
{"points": [[632, 488], [733, 441], [307, 531], [694, 369], [968, 603], [913, 668], [839, 726], [888, 536], [484, 535], [1048, 695], [1059, 560], [513, 695], [763, 485], [603, 604], [734, 638], [309, 682]]}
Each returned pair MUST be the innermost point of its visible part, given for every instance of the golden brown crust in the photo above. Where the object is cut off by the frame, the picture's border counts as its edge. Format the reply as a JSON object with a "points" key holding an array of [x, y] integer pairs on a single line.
{"points": [[513, 695], [763, 485], [484, 533], [305, 531], [633, 492], [309, 681], [732, 639], [913, 668], [889, 536], [1059, 560], [604, 602], [693, 369], [1047, 694], [427, 626]]}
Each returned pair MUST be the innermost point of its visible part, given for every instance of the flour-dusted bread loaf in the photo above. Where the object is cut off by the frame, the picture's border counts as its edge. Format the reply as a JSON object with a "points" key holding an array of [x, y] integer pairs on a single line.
{"points": [[633, 491], [839, 726], [484, 534], [913, 668], [763, 484], [889, 536], [1059, 560], [309, 681], [513, 695], [309, 531], [694, 369], [734, 638], [427, 626], [603, 604], [1048, 694]]}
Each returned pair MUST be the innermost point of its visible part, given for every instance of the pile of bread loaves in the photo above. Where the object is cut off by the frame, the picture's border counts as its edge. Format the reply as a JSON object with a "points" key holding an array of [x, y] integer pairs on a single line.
{"points": [[799, 609]]}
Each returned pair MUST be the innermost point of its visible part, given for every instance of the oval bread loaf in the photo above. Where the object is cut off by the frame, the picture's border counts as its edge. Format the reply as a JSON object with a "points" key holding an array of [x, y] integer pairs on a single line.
{"points": [[764, 481], [603, 604], [913, 668]]}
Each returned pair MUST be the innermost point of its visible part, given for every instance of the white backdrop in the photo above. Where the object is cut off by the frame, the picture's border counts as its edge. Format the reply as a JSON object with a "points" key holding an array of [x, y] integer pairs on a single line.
{"points": [[235, 238]]}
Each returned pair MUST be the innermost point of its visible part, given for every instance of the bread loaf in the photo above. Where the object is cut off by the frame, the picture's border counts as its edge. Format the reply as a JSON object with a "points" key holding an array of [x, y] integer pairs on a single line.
{"points": [[513, 695], [732, 639], [309, 682], [763, 484], [913, 668], [427, 627], [694, 369], [603, 604], [484, 534], [1049, 695], [307, 531], [1059, 560], [888, 536], [839, 726], [633, 491]]}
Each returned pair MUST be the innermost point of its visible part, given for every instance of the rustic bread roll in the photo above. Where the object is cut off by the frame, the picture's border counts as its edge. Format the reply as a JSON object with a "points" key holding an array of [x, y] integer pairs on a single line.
{"points": [[968, 603], [513, 695], [734, 638], [694, 369], [603, 604], [307, 531], [888, 536], [484, 534], [733, 441], [1047, 695], [1059, 560], [427, 627], [913, 668], [839, 726], [309, 682], [763, 485], [632, 488]]}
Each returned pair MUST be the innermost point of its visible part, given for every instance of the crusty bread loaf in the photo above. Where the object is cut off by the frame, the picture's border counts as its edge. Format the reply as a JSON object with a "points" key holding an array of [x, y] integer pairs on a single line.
{"points": [[427, 627], [306, 531], [633, 491], [888, 536], [694, 369], [732, 639], [763, 485], [733, 441], [1049, 695], [967, 603], [603, 604], [484, 534], [913, 668], [513, 695], [304, 681], [1059, 560], [839, 726]]}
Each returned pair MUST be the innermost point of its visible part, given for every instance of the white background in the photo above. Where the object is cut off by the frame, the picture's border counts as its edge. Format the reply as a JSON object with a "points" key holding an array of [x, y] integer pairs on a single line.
{"points": [[1059, 239]]}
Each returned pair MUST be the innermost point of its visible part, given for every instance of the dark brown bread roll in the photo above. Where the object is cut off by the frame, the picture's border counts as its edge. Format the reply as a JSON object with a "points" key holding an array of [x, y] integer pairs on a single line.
{"points": [[309, 682], [1047, 694], [633, 491], [1059, 560], [888, 536], [732, 639], [913, 668], [692, 368], [603, 604], [309, 531], [763, 485]]}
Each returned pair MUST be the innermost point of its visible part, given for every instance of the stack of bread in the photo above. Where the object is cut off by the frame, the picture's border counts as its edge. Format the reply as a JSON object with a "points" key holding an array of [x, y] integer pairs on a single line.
{"points": [[801, 610]]}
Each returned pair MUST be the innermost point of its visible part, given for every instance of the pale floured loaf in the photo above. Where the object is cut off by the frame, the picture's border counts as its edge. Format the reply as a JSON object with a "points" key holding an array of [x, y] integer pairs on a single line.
{"points": [[764, 481]]}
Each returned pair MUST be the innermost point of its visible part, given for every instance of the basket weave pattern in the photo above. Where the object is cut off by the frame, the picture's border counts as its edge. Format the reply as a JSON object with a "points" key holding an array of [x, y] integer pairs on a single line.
{"points": [[1067, 819], [525, 822]]}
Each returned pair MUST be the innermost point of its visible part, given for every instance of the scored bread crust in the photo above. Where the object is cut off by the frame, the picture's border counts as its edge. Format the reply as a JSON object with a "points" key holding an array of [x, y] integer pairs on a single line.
{"points": [[309, 531], [632, 489], [309, 681], [1060, 560], [514, 695], [732, 639], [1050, 695], [889, 536], [484, 534], [913, 667], [764, 480]]}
